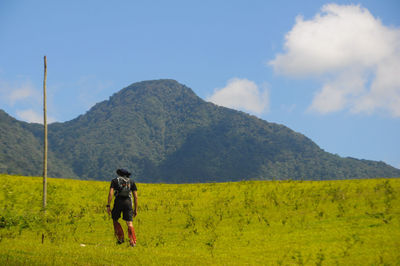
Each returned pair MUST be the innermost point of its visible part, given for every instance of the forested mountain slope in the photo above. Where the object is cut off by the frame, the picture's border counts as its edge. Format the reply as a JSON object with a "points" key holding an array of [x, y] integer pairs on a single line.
{"points": [[163, 132]]}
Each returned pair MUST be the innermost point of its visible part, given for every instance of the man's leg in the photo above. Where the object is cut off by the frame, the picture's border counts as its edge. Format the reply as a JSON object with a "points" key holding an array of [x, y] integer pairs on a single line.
{"points": [[119, 232], [131, 233]]}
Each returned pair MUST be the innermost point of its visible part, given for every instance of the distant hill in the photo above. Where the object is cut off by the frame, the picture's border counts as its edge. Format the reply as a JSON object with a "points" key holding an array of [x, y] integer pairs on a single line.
{"points": [[164, 132], [21, 150]]}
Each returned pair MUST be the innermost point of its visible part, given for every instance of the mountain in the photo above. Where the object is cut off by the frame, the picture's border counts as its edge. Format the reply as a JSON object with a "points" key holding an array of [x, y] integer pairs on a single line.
{"points": [[163, 132], [22, 149]]}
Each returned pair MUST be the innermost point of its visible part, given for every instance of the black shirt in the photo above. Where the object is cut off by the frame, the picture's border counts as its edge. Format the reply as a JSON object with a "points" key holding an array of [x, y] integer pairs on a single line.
{"points": [[115, 186]]}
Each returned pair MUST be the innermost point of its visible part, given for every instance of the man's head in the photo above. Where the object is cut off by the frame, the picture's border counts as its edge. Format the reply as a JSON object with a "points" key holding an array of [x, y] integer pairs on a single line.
{"points": [[123, 172]]}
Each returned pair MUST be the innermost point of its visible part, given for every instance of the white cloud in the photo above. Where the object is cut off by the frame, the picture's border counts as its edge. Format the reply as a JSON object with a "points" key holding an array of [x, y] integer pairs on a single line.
{"points": [[23, 98], [241, 94], [353, 52], [21, 94], [18, 92], [339, 93], [32, 116], [384, 90]]}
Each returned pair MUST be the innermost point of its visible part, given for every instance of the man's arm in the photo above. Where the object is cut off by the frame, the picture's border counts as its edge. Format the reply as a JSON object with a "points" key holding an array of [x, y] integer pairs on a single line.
{"points": [[134, 202], [110, 195]]}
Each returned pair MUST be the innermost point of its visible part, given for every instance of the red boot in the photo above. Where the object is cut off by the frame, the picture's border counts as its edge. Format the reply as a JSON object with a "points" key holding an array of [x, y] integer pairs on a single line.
{"points": [[132, 236], [119, 232]]}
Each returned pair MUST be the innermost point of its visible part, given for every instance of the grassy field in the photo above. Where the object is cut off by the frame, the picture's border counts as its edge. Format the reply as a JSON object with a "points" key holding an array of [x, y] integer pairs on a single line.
{"points": [[351, 222]]}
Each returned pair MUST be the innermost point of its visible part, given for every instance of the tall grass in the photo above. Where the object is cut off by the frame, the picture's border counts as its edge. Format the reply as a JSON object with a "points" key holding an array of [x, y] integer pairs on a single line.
{"points": [[346, 222]]}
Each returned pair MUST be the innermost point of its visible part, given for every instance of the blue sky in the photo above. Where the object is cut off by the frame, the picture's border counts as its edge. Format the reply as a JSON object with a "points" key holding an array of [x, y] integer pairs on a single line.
{"points": [[327, 69]]}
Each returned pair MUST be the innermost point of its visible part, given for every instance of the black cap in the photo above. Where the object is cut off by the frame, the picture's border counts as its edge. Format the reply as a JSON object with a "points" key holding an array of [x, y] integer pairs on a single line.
{"points": [[123, 172]]}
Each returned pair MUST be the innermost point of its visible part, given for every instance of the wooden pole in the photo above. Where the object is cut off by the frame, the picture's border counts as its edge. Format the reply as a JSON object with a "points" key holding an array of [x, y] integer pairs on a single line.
{"points": [[45, 138]]}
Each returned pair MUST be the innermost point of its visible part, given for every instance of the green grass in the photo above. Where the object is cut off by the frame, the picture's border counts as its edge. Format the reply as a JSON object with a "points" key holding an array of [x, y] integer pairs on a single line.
{"points": [[350, 222]]}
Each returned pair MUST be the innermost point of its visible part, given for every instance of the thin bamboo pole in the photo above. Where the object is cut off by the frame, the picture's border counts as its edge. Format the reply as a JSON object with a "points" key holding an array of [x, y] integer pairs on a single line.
{"points": [[45, 138]]}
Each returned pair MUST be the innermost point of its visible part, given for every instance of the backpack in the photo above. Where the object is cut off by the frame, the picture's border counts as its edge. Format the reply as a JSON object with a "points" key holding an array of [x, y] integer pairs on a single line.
{"points": [[124, 187]]}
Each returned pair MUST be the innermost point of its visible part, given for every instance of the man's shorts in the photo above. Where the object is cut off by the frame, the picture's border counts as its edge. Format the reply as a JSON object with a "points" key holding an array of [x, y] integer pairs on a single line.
{"points": [[123, 205]]}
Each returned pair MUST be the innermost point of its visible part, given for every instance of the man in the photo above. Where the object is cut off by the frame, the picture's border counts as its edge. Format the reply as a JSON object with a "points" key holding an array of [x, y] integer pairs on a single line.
{"points": [[122, 187]]}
